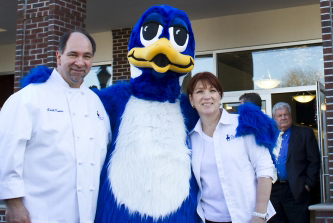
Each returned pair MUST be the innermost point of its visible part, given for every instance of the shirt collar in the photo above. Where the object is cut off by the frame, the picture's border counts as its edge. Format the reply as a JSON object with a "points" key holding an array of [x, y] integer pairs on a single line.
{"points": [[287, 131], [225, 119]]}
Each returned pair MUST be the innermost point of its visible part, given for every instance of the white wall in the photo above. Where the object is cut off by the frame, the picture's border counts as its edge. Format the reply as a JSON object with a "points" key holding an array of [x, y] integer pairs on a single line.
{"points": [[260, 28], [104, 47], [7, 59]]}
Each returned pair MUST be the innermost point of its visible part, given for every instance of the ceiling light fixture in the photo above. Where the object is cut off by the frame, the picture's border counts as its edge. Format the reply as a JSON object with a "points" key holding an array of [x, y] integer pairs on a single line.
{"points": [[267, 83], [2, 30], [304, 98]]}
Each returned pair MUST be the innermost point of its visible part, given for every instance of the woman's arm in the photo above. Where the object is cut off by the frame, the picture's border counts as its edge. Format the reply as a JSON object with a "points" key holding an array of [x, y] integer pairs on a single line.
{"points": [[264, 188]]}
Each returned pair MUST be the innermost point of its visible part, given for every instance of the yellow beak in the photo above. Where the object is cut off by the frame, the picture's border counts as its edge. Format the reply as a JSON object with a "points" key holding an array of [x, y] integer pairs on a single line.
{"points": [[161, 56]]}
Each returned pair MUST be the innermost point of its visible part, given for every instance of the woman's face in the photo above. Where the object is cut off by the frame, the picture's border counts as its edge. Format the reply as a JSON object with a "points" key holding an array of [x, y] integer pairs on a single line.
{"points": [[205, 100]]}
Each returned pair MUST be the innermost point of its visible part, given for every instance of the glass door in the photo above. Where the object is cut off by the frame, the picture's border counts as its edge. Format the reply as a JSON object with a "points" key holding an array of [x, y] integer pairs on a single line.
{"points": [[322, 143]]}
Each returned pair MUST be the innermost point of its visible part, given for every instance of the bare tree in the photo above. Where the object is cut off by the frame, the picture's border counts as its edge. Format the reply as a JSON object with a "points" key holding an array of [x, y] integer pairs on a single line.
{"points": [[300, 77]]}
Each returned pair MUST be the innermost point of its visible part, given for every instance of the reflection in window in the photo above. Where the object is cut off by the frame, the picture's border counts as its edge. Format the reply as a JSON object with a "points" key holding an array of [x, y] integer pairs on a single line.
{"points": [[280, 67], [201, 63], [91, 80], [298, 66], [231, 107]]}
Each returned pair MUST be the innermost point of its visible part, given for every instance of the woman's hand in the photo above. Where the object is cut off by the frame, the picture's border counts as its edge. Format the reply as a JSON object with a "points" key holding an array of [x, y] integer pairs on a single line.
{"points": [[256, 219]]}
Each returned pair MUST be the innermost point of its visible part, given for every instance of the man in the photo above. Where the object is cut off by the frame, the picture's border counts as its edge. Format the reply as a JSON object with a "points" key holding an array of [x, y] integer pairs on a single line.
{"points": [[251, 97], [297, 161], [53, 142]]}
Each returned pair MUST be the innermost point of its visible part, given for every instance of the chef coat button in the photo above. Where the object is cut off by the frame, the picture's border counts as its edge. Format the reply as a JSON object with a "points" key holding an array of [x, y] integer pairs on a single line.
{"points": [[222, 178], [70, 92], [86, 115], [92, 163], [91, 138], [80, 162], [73, 113], [82, 93], [92, 189], [79, 189]]}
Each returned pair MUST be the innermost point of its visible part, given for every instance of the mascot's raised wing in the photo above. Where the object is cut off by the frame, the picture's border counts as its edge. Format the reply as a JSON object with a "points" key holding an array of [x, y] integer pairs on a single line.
{"points": [[147, 174]]}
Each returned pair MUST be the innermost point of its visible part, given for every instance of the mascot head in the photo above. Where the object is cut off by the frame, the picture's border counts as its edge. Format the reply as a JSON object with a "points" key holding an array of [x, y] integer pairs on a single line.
{"points": [[161, 52]]}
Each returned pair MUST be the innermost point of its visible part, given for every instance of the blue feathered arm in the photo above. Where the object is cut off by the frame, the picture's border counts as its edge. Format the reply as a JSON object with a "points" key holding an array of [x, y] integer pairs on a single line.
{"points": [[37, 75], [190, 114], [252, 120]]}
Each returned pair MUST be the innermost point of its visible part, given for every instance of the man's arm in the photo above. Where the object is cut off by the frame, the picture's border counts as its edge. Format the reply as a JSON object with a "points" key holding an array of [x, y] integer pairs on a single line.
{"points": [[263, 193], [313, 159], [16, 212], [15, 131]]}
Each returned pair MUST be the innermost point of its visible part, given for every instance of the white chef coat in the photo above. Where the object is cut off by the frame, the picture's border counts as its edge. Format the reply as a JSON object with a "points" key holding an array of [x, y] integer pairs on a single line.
{"points": [[240, 161], [53, 141]]}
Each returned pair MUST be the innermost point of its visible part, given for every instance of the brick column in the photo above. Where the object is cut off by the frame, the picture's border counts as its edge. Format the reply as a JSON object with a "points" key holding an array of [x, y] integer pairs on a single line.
{"points": [[324, 212], [121, 67], [40, 24]]}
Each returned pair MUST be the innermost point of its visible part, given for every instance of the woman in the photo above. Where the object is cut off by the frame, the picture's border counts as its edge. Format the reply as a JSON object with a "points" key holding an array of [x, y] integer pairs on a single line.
{"points": [[233, 173]]}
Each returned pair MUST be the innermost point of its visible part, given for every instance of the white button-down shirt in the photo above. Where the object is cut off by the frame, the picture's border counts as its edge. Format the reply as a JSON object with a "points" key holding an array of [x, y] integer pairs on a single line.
{"points": [[240, 161], [53, 141]]}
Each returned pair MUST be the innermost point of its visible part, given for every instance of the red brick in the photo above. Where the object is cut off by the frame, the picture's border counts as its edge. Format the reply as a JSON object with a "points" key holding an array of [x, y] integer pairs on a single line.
{"points": [[326, 29]]}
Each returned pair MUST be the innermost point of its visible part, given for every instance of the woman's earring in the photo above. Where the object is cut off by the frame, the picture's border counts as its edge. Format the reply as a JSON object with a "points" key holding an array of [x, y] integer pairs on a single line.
{"points": [[192, 106]]}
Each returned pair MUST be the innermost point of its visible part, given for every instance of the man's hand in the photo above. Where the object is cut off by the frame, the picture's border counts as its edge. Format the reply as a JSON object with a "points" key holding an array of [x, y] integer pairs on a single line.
{"points": [[256, 219], [16, 212], [307, 188]]}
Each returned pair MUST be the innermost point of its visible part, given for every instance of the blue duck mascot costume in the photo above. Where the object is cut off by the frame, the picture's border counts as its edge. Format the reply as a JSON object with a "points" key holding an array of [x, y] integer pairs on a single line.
{"points": [[147, 174]]}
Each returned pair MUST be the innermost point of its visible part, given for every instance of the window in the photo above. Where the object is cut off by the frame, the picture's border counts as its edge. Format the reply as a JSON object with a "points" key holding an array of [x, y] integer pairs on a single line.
{"points": [[269, 68], [201, 63], [91, 80]]}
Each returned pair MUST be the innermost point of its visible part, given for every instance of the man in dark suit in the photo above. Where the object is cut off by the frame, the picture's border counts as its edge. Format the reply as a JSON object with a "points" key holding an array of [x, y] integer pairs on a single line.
{"points": [[297, 161]]}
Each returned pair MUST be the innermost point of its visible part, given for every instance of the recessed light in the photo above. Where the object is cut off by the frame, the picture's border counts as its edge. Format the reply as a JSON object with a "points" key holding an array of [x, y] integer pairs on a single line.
{"points": [[2, 30]]}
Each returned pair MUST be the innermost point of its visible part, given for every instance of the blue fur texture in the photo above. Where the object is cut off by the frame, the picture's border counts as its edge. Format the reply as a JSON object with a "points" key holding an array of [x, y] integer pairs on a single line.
{"points": [[37, 75], [253, 121], [166, 88], [148, 87], [152, 87], [190, 113], [169, 15], [115, 99]]}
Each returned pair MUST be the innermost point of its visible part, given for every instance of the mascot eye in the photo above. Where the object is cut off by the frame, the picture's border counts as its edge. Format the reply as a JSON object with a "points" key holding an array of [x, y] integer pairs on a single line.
{"points": [[150, 32], [178, 38]]}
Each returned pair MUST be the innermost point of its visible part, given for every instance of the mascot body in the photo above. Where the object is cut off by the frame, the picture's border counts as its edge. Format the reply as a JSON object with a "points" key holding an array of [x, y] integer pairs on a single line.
{"points": [[147, 174]]}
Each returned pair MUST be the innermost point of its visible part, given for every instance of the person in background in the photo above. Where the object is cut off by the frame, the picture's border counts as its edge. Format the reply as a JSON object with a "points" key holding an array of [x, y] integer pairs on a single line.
{"points": [[251, 97], [297, 161], [233, 173], [53, 141]]}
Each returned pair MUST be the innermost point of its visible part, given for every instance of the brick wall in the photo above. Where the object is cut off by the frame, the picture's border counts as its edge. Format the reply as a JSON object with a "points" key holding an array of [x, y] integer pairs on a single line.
{"points": [[121, 67], [326, 17], [40, 24], [326, 216]]}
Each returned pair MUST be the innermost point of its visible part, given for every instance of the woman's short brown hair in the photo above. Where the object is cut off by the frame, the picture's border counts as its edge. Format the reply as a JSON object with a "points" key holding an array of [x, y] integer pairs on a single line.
{"points": [[205, 78]]}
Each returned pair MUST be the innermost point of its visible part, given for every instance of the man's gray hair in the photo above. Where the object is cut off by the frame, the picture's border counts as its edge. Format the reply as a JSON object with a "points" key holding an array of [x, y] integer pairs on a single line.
{"points": [[281, 105]]}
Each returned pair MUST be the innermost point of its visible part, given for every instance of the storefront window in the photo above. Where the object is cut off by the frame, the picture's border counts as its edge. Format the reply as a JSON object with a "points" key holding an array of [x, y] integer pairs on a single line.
{"points": [[271, 68], [201, 63]]}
